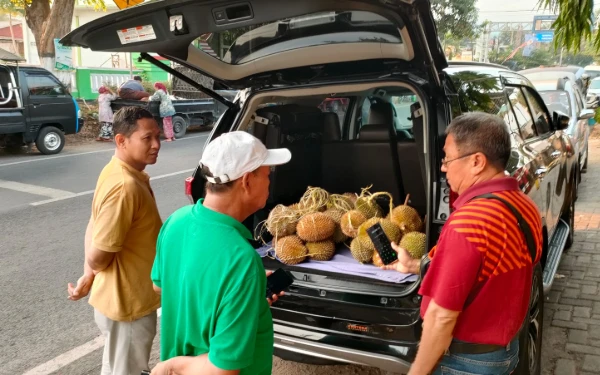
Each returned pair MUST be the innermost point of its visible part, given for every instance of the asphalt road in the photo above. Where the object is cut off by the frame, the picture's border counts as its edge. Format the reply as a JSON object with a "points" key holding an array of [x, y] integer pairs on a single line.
{"points": [[44, 208]]}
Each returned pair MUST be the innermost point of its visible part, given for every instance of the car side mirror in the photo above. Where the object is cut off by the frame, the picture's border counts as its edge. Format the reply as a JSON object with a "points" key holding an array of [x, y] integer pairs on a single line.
{"points": [[587, 114], [561, 121]]}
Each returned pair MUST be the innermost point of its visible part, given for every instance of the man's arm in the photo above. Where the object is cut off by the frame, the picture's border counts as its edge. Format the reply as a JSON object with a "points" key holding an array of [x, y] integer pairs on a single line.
{"points": [[199, 365], [438, 325], [157, 289]]}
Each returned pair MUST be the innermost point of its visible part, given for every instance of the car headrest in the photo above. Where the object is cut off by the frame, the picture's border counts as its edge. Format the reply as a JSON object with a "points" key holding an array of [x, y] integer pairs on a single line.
{"points": [[381, 113], [374, 133], [331, 127]]}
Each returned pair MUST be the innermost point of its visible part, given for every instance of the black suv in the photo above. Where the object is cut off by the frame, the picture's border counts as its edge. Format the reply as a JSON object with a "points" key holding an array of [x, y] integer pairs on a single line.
{"points": [[384, 59]]}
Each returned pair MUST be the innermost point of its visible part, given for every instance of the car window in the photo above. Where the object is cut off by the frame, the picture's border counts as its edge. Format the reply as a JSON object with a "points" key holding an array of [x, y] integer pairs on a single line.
{"points": [[4, 93], [521, 112], [557, 101], [537, 106], [42, 85], [402, 116], [336, 105]]}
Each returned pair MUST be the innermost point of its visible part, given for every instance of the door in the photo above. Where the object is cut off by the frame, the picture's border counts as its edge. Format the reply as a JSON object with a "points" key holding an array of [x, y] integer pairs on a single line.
{"points": [[265, 39], [547, 147], [49, 103]]}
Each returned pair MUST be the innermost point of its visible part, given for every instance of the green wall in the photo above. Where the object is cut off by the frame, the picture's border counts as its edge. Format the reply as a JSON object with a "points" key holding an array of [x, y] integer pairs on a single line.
{"points": [[89, 79]]}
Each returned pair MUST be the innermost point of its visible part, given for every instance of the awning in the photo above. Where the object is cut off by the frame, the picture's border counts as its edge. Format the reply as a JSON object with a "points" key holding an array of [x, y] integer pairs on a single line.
{"points": [[9, 56]]}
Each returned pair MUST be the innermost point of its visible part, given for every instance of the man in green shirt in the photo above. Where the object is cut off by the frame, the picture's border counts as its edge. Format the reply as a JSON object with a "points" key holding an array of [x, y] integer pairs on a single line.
{"points": [[215, 317]]}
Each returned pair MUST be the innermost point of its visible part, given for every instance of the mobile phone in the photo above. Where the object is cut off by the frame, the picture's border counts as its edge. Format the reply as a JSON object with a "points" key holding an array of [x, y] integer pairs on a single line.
{"points": [[278, 281], [382, 244], [145, 372]]}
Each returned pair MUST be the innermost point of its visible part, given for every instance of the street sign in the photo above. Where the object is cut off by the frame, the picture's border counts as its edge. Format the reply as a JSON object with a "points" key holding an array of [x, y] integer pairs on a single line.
{"points": [[529, 45], [544, 36]]}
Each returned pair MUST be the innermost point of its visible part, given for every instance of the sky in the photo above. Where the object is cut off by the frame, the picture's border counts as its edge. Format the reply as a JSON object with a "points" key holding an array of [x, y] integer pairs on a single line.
{"points": [[511, 10]]}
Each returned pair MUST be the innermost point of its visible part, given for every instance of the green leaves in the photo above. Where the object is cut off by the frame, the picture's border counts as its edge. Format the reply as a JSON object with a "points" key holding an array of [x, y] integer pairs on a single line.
{"points": [[574, 23], [455, 19]]}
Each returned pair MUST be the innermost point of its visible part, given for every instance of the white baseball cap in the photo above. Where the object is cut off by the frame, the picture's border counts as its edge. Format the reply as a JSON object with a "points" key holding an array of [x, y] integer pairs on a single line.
{"points": [[232, 155]]}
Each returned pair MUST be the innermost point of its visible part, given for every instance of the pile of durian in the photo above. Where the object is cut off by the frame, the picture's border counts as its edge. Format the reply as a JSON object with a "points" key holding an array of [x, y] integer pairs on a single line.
{"points": [[311, 228]]}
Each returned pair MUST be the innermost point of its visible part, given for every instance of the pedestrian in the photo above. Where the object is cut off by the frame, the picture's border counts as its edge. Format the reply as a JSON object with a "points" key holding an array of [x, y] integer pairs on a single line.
{"points": [[105, 113], [166, 109], [477, 288], [120, 245], [132, 89], [215, 315]]}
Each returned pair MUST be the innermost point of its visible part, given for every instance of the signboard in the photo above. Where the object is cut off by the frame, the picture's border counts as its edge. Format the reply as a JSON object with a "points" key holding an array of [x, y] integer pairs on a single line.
{"points": [[63, 59], [544, 36], [529, 45]]}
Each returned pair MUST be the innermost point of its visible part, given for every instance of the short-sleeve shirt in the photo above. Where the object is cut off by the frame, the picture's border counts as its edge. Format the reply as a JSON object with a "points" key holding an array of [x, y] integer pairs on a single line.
{"points": [[213, 292], [125, 221], [481, 265], [132, 84]]}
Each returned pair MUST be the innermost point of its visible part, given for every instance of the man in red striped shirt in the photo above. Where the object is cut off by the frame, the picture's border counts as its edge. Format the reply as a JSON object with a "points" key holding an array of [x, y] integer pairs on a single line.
{"points": [[478, 285]]}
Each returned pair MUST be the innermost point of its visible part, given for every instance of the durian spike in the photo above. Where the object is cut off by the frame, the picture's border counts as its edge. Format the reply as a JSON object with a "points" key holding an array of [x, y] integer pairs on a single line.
{"points": [[407, 199]]}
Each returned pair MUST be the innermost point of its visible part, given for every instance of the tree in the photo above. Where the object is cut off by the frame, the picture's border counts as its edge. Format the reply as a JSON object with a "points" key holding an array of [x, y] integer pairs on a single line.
{"points": [[7, 7], [574, 24], [455, 19], [48, 20]]}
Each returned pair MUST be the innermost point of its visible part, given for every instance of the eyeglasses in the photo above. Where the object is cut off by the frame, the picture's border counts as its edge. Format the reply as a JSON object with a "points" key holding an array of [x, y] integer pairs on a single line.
{"points": [[446, 162]]}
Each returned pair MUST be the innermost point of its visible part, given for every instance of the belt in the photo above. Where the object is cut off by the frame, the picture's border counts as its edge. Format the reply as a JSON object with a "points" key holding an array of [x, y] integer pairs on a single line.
{"points": [[471, 348]]}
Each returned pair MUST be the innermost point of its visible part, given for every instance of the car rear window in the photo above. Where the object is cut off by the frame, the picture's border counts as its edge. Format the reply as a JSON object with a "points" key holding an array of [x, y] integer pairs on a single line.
{"points": [[250, 43], [557, 101]]}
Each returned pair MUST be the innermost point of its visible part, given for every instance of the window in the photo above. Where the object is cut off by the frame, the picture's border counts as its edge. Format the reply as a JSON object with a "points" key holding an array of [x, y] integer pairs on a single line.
{"points": [[42, 85], [336, 105], [521, 112], [4, 92], [402, 105], [538, 108], [557, 101]]}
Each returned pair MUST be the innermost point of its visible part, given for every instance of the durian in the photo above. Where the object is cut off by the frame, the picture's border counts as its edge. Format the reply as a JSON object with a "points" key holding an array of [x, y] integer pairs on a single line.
{"points": [[322, 250], [390, 229], [415, 243], [377, 262], [336, 215], [406, 217], [350, 222], [315, 227], [361, 253], [290, 250], [368, 207], [282, 221]]}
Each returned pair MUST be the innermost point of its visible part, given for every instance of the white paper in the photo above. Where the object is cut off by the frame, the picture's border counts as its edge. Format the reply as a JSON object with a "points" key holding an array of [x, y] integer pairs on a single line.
{"points": [[136, 34]]}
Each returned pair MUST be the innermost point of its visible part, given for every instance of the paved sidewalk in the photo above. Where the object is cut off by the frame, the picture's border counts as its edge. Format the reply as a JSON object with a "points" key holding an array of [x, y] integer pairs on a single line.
{"points": [[571, 343]]}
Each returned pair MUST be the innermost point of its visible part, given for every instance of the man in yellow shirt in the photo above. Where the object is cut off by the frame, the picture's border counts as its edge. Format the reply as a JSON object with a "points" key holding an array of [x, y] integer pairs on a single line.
{"points": [[120, 246]]}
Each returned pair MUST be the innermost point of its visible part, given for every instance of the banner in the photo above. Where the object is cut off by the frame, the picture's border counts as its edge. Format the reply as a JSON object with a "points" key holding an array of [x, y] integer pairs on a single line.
{"points": [[63, 56]]}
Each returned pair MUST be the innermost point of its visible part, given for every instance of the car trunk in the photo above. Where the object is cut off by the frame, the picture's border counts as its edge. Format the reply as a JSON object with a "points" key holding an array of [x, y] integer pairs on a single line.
{"points": [[319, 46]]}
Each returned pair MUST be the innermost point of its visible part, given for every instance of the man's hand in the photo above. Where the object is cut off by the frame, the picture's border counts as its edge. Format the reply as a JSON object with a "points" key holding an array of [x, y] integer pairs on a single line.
{"points": [[405, 263], [274, 297], [161, 369], [84, 284]]}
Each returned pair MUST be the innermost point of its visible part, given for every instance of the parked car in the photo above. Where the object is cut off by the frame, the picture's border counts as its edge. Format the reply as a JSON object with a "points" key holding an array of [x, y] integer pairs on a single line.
{"points": [[593, 93], [564, 96], [366, 51], [188, 112], [573, 72], [35, 107]]}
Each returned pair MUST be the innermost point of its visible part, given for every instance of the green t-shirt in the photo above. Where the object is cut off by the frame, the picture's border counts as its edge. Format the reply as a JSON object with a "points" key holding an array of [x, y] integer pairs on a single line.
{"points": [[213, 292]]}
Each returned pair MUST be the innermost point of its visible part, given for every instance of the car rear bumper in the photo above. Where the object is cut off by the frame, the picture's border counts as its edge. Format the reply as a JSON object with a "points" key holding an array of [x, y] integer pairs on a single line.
{"points": [[299, 345]]}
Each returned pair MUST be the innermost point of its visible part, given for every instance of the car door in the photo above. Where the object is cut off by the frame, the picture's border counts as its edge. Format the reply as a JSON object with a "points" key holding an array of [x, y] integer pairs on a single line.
{"points": [[553, 151], [11, 113], [49, 102]]}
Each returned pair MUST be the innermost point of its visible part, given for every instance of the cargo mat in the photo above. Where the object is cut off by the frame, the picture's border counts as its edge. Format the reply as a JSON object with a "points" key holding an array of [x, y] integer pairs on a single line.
{"points": [[343, 263]]}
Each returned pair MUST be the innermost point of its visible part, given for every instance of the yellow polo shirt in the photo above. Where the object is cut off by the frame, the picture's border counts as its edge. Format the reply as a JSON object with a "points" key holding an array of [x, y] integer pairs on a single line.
{"points": [[125, 221]]}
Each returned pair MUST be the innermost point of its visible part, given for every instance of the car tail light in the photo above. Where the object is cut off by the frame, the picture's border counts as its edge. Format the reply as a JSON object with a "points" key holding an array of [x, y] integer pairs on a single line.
{"points": [[188, 188]]}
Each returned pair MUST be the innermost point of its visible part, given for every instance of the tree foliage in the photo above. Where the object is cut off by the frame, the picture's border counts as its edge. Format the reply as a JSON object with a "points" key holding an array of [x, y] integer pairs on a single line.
{"points": [[574, 24], [456, 19]]}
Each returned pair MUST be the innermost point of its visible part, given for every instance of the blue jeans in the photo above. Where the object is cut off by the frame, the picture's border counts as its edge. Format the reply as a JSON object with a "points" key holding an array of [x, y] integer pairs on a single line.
{"points": [[500, 362]]}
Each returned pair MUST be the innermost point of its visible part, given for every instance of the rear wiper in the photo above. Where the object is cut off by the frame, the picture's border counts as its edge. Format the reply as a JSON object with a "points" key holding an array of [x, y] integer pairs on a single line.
{"points": [[186, 79]]}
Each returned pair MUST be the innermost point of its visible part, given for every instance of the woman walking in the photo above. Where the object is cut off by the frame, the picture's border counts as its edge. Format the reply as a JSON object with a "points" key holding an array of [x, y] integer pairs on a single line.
{"points": [[166, 109], [105, 113]]}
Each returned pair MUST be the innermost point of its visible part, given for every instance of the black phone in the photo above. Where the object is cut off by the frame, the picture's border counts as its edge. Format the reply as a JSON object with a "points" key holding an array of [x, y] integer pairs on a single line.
{"points": [[382, 244], [278, 281], [145, 372]]}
